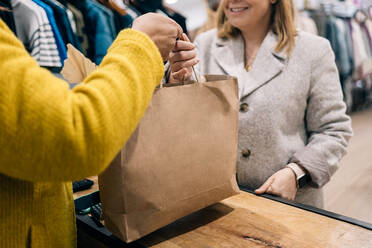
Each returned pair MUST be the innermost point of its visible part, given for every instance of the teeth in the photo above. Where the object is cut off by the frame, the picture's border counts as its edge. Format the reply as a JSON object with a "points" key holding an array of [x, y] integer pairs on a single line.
{"points": [[237, 9]]}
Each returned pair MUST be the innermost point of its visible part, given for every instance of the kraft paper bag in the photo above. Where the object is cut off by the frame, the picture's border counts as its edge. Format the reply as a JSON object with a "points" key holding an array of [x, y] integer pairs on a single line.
{"points": [[76, 67], [181, 158]]}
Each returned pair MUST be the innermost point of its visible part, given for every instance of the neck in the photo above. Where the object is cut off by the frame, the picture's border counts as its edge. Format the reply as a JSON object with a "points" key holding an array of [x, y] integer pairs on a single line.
{"points": [[253, 38]]}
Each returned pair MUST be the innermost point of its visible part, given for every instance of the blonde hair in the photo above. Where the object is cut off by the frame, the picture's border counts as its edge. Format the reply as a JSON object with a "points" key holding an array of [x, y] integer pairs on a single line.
{"points": [[282, 24]]}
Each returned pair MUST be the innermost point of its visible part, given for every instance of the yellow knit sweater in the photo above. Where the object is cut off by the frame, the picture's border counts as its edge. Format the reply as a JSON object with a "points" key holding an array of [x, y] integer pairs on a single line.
{"points": [[51, 135]]}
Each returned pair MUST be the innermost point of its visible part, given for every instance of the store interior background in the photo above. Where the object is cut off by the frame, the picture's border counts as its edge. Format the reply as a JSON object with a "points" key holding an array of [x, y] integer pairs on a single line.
{"points": [[349, 192]]}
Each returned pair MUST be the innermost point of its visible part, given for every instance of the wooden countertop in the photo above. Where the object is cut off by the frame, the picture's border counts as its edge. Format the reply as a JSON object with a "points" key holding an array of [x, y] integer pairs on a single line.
{"points": [[247, 220]]}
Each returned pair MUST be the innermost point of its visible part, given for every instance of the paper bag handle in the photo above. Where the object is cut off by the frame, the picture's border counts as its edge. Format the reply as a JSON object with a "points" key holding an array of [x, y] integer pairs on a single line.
{"points": [[196, 75], [167, 76]]}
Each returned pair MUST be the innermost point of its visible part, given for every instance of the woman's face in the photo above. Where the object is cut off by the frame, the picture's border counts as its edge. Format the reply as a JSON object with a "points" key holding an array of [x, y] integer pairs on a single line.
{"points": [[243, 14]]}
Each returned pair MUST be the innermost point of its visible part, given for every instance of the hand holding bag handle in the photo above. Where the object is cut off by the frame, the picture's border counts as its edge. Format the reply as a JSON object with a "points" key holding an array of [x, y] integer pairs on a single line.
{"points": [[182, 62]]}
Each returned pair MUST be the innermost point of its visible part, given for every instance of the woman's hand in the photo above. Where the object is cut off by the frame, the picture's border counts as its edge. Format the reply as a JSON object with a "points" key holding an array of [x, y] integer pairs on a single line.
{"points": [[283, 183], [181, 60]]}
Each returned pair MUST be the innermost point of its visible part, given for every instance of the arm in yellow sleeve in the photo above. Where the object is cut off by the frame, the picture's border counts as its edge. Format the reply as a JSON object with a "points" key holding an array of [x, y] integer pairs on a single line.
{"points": [[51, 133]]}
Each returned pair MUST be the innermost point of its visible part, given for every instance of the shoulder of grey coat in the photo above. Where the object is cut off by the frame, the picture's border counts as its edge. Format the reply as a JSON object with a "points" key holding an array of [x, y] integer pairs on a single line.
{"points": [[308, 45]]}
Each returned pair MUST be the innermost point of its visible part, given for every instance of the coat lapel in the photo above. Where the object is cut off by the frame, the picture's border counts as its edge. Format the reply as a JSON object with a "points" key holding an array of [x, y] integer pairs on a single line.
{"points": [[268, 64], [229, 55]]}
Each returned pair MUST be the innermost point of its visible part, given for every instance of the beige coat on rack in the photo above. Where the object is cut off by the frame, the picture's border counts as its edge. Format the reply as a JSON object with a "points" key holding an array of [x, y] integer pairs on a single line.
{"points": [[292, 108]]}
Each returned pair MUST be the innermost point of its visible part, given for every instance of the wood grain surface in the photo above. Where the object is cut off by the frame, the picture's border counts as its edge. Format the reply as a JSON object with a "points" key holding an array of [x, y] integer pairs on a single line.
{"points": [[247, 220]]}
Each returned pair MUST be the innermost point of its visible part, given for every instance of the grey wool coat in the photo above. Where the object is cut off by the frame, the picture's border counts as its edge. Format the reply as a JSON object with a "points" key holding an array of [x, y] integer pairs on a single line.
{"points": [[292, 108]]}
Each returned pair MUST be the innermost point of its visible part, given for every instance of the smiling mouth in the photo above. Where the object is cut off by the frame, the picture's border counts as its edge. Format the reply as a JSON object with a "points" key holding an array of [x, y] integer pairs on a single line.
{"points": [[236, 10]]}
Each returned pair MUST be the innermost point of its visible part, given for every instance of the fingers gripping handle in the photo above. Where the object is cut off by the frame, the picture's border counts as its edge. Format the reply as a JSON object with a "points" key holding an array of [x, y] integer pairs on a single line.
{"points": [[168, 71], [185, 38]]}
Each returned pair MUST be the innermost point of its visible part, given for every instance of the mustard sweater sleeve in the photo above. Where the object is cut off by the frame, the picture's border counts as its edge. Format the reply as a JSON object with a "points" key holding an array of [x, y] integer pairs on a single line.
{"points": [[51, 133]]}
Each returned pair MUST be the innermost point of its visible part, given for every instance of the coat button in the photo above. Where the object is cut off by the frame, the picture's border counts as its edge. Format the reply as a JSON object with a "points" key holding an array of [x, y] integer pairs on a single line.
{"points": [[244, 107], [246, 153]]}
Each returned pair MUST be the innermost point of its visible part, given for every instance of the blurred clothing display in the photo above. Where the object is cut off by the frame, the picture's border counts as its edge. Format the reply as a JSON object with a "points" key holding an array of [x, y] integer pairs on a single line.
{"points": [[7, 16], [305, 23], [46, 26], [348, 27], [38, 33]]}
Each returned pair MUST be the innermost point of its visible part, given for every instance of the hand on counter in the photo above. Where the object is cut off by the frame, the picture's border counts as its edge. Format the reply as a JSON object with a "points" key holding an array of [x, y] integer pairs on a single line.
{"points": [[283, 183]]}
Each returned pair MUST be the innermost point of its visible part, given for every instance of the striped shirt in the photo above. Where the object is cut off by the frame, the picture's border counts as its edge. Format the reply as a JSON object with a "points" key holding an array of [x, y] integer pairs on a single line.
{"points": [[34, 30]]}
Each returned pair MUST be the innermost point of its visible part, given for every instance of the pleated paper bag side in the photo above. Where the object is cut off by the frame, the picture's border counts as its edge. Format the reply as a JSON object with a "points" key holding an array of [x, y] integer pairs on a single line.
{"points": [[112, 195], [76, 67]]}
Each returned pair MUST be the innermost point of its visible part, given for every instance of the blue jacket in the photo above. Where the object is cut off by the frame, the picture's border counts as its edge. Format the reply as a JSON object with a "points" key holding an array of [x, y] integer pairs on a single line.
{"points": [[100, 28], [63, 24]]}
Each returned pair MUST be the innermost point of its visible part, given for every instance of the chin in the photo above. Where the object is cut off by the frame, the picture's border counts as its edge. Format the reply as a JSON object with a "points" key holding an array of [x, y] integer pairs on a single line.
{"points": [[238, 25]]}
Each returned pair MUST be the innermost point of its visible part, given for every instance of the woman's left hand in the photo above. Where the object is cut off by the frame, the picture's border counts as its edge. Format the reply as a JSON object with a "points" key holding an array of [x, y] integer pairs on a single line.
{"points": [[182, 59], [283, 183]]}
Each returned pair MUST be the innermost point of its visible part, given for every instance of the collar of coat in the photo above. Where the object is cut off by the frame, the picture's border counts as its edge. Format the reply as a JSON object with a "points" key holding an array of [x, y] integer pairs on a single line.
{"points": [[229, 54]]}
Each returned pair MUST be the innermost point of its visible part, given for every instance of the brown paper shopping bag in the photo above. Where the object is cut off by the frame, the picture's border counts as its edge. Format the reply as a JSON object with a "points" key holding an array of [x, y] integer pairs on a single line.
{"points": [[181, 158]]}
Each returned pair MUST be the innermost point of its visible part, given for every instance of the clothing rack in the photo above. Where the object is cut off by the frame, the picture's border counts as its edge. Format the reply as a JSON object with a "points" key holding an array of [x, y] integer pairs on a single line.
{"points": [[46, 26], [348, 27]]}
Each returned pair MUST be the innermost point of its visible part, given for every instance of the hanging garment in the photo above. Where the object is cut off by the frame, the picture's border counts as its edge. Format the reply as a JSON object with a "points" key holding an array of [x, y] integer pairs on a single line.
{"points": [[122, 21], [146, 6], [368, 24], [57, 34], [128, 8], [320, 19], [121, 18], [346, 54], [336, 34], [72, 20], [100, 28], [349, 41], [112, 5], [359, 48], [305, 23], [132, 11], [110, 17], [366, 38], [63, 23], [7, 16], [80, 28], [36, 33]]}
